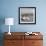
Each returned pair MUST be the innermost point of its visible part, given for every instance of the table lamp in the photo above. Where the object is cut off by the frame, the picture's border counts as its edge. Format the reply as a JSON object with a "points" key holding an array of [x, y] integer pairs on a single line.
{"points": [[9, 21]]}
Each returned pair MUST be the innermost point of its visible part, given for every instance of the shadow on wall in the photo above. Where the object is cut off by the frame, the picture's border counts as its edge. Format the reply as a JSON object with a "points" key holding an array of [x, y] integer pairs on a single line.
{"points": [[2, 21]]}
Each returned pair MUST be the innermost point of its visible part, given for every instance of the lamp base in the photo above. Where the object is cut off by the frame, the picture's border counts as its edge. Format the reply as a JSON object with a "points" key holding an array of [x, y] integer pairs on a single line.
{"points": [[9, 33]]}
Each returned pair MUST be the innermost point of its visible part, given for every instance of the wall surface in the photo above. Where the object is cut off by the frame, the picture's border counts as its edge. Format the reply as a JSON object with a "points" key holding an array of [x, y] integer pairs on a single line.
{"points": [[9, 8]]}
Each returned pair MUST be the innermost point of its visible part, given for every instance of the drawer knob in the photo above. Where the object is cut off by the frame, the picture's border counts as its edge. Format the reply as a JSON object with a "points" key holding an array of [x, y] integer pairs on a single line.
{"points": [[33, 42]]}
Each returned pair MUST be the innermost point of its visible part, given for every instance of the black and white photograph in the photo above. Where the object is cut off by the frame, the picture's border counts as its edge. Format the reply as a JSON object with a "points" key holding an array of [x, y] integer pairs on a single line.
{"points": [[27, 15]]}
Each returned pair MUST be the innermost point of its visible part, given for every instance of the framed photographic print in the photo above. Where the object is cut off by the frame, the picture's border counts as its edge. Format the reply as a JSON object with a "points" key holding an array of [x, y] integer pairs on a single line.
{"points": [[27, 15]]}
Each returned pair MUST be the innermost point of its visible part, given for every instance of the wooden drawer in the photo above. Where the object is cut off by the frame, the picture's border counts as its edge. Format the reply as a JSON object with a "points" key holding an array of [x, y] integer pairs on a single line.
{"points": [[37, 43], [9, 42], [33, 43], [13, 43], [16, 37], [34, 37]]}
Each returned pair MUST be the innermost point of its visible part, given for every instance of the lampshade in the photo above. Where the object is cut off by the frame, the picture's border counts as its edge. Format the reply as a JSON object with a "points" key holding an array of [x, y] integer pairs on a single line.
{"points": [[9, 21]]}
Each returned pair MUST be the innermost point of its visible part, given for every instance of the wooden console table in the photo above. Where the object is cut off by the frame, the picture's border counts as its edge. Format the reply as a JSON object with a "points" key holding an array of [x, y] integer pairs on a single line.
{"points": [[20, 39]]}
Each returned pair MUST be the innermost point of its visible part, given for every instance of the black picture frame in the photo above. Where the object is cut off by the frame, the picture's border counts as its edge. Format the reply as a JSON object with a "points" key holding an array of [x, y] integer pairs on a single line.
{"points": [[27, 15]]}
